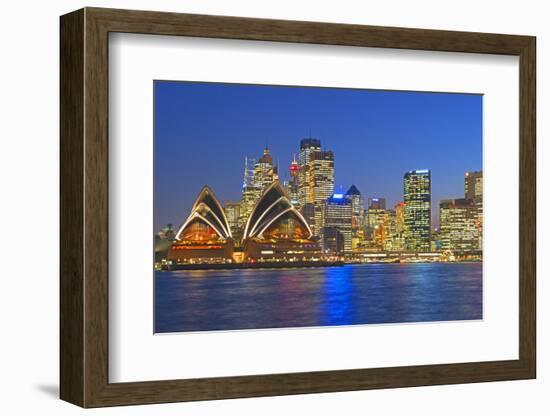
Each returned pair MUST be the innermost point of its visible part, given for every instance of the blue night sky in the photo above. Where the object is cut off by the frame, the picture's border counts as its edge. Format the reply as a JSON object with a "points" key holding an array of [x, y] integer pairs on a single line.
{"points": [[203, 131]]}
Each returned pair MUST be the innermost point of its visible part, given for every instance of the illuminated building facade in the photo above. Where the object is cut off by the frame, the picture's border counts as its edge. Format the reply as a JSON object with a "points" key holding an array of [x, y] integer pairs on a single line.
{"points": [[473, 185], [232, 211], [277, 231], [473, 189], [293, 184], [417, 215], [399, 217], [459, 225], [357, 207], [307, 147], [263, 172], [205, 236], [321, 184], [374, 214], [337, 225], [258, 176], [398, 240], [250, 192], [384, 231], [321, 176]]}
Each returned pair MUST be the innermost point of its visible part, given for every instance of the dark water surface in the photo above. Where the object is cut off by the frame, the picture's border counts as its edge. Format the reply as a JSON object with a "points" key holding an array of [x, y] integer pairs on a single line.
{"points": [[204, 300]]}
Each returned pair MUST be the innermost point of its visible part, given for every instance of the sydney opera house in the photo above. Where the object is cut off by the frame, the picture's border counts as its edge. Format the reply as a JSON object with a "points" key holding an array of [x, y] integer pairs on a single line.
{"points": [[205, 234], [274, 231]]}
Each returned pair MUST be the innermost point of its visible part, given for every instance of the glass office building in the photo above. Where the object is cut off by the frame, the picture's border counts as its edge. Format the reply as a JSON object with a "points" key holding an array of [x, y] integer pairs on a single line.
{"points": [[417, 213]]}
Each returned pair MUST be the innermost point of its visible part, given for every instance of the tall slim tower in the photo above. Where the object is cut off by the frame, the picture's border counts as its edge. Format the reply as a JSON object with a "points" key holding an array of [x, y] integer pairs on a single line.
{"points": [[263, 171], [357, 207], [250, 192], [321, 183], [293, 187], [417, 215], [473, 189]]}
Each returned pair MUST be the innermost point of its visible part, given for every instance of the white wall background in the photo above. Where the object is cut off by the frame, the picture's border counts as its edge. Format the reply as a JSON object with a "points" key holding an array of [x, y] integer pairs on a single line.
{"points": [[29, 158]]}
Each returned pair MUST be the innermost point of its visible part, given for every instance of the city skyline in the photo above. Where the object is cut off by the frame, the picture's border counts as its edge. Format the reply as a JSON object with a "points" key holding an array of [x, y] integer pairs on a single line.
{"points": [[371, 167], [300, 206]]}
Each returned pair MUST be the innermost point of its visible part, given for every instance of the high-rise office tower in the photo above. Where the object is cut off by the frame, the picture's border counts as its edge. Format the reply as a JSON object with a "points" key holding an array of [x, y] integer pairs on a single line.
{"points": [[473, 189], [250, 192], [417, 215], [258, 176], [321, 183], [375, 212], [357, 207], [337, 220], [473, 185], [264, 171], [321, 176], [307, 146], [459, 225]]}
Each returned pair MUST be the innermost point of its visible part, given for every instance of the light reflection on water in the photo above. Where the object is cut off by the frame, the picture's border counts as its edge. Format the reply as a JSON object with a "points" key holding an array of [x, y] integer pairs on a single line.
{"points": [[203, 300]]}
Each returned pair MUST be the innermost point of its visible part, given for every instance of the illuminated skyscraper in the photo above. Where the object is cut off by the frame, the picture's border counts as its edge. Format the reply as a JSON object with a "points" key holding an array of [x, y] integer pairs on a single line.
{"points": [[375, 212], [250, 192], [473, 189], [263, 171], [357, 207], [307, 146], [417, 215], [293, 187], [473, 185], [337, 220], [321, 183], [459, 225], [321, 176], [258, 176]]}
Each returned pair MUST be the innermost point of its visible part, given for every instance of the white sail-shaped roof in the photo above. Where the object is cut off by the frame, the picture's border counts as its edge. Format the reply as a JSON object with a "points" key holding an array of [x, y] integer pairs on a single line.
{"points": [[272, 206], [208, 210]]}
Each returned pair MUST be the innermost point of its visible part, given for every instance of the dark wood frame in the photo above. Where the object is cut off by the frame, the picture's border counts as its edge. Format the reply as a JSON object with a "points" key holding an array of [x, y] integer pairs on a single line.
{"points": [[84, 208]]}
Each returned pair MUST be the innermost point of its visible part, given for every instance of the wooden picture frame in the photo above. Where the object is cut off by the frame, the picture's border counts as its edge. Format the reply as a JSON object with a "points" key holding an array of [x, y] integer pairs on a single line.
{"points": [[84, 207]]}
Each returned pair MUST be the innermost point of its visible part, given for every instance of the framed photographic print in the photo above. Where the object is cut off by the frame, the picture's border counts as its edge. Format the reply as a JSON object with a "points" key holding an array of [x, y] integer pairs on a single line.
{"points": [[262, 207]]}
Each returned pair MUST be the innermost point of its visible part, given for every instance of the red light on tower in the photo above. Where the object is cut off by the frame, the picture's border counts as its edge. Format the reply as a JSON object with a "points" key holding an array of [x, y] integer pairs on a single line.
{"points": [[294, 168]]}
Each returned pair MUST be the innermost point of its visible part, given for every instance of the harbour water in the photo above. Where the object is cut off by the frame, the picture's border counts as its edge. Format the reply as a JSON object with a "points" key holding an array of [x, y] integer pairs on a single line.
{"points": [[206, 300]]}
